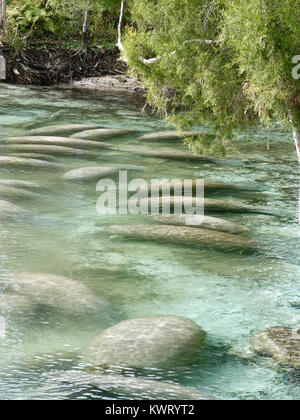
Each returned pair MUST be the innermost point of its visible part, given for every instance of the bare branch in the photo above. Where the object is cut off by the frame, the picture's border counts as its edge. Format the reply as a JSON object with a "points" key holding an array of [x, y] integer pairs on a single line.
{"points": [[3, 14], [119, 43], [85, 27]]}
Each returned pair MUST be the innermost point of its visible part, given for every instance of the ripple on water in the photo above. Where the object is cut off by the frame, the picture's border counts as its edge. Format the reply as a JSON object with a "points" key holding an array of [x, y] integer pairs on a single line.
{"points": [[232, 296]]}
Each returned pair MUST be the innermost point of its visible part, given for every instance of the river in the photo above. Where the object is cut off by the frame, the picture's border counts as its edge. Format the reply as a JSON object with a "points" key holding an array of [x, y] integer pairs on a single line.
{"points": [[230, 295]]}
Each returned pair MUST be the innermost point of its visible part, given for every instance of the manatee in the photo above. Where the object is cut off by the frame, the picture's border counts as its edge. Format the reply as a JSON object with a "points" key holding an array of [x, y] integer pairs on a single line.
{"points": [[171, 135], [15, 162], [38, 156], [184, 235], [102, 133], [128, 167], [209, 186], [135, 388], [170, 154], [58, 141], [90, 173], [149, 342], [55, 291], [12, 193], [62, 129], [212, 205], [8, 209], [207, 204], [280, 343], [15, 303], [203, 222], [19, 184], [46, 149]]}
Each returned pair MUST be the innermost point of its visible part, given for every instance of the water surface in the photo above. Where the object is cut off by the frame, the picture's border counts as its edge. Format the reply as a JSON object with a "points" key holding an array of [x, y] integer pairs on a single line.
{"points": [[231, 295]]}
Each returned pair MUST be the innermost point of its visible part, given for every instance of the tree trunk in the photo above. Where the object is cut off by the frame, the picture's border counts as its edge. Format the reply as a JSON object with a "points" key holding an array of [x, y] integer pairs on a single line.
{"points": [[3, 14], [85, 28], [296, 135]]}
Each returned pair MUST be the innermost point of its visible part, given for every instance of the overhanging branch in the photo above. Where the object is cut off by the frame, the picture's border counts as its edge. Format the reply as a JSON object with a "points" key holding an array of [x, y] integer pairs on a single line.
{"points": [[152, 60]]}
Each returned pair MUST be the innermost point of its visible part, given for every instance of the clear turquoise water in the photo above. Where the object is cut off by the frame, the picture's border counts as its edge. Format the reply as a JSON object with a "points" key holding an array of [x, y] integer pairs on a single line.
{"points": [[232, 296]]}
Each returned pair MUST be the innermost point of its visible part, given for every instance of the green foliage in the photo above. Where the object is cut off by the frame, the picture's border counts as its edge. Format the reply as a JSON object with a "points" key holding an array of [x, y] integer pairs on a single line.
{"points": [[241, 77], [31, 18], [61, 20], [193, 81], [265, 35]]}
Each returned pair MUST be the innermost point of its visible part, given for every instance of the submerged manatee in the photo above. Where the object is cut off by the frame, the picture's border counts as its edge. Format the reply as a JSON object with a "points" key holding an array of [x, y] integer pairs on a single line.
{"points": [[212, 205], [11, 193], [170, 135], [38, 156], [63, 129], [90, 173], [46, 149], [102, 133], [19, 184], [203, 222], [58, 141], [170, 154], [55, 291], [15, 303], [209, 186], [280, 343], [155, 341], [135, 388], [208, 205], [20, 163], [8, 209], [184, 235]]}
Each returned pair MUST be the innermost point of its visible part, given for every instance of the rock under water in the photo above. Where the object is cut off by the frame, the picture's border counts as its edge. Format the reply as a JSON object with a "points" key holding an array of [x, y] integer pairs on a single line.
{"points": [[280, 343], [55, 291], [155, 341]]}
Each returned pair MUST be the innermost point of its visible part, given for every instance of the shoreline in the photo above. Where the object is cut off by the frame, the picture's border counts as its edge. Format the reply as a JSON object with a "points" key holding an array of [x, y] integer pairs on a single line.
{"points": [[97, 70], [119, 83]]}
